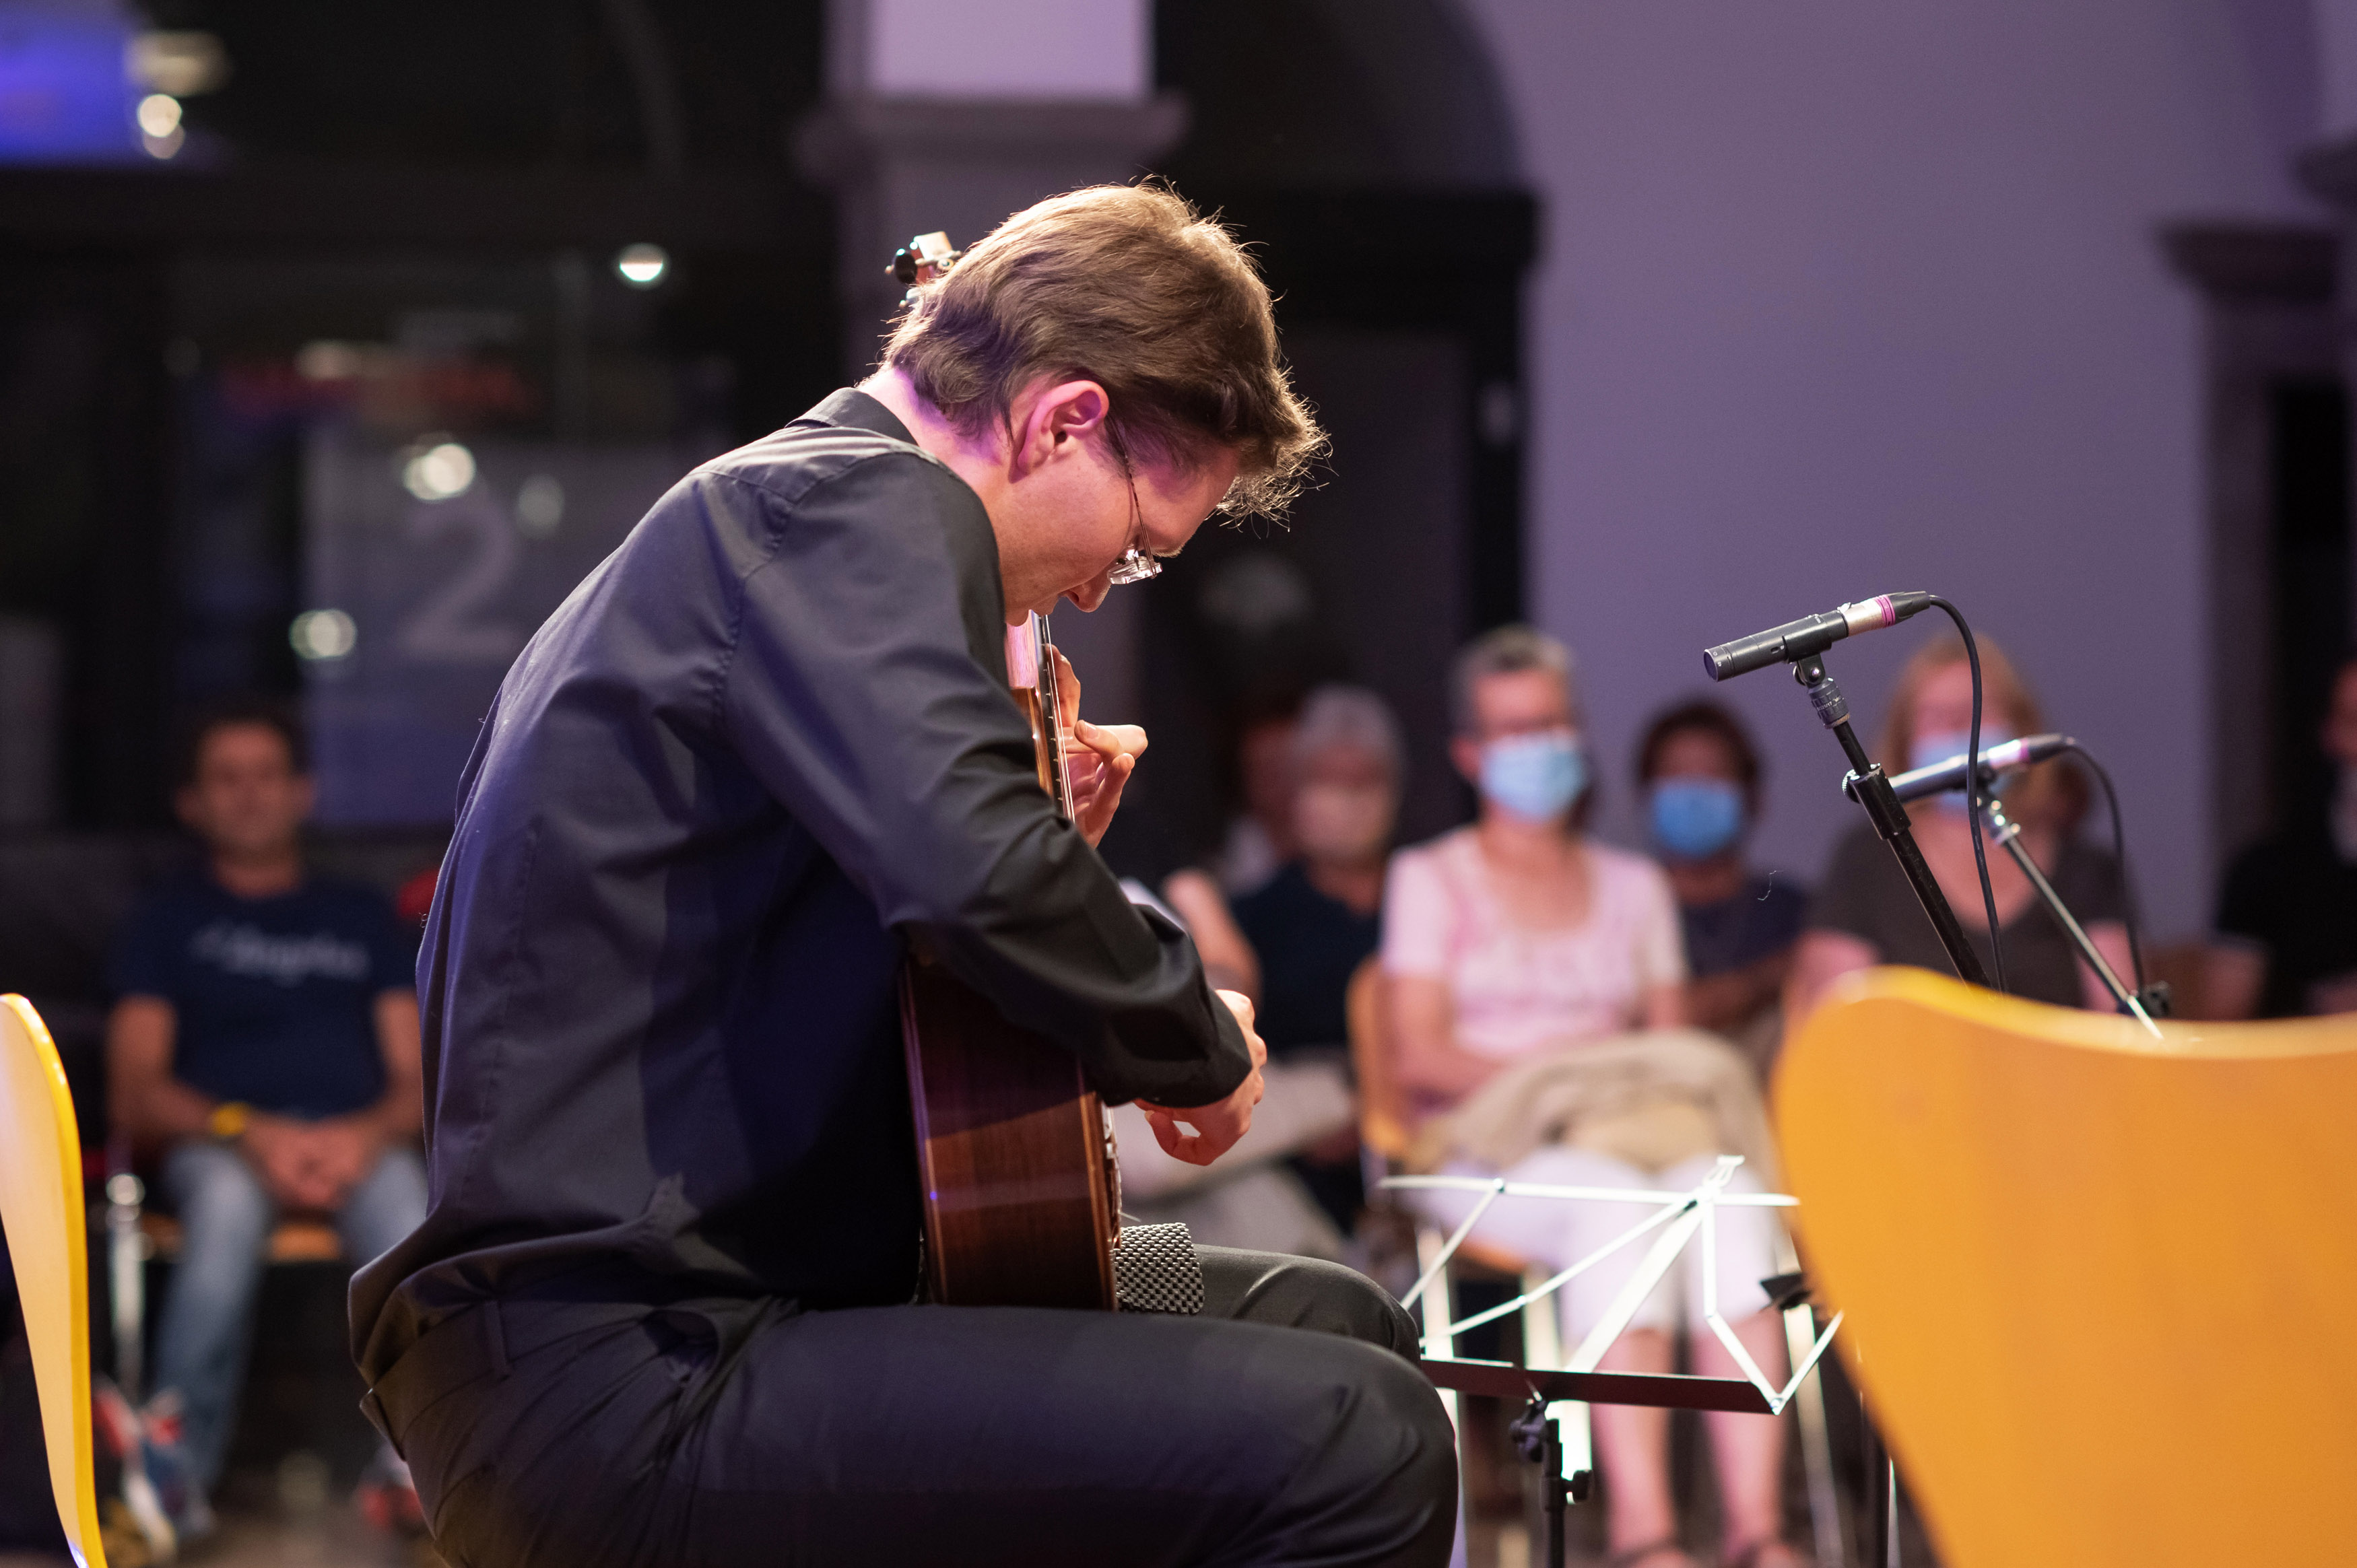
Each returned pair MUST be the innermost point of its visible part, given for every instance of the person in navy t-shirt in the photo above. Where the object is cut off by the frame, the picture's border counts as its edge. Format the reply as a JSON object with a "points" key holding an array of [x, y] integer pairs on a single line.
{"points": [[264, 1046]]}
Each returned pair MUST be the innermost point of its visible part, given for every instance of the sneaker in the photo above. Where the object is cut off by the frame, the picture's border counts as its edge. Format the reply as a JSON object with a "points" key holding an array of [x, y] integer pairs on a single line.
{"points": [[162, 1440], [388, 1498], [136, 1522]]}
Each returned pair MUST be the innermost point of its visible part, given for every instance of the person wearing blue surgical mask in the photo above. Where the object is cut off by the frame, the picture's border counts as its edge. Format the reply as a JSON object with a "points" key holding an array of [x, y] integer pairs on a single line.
{"points": [[1521, 940], [1700, 776]]}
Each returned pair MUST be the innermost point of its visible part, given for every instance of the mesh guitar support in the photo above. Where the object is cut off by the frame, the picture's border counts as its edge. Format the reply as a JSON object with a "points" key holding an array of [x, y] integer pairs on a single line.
{"points": [[1155, 1270]]}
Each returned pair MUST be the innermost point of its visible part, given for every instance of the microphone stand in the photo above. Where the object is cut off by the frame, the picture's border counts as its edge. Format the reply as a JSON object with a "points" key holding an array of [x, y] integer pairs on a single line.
{"points": [[1889, 815], [1871, 789], [2008, 832]]}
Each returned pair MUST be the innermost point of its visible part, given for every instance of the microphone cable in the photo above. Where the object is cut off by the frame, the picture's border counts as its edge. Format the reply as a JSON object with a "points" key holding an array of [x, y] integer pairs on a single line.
{"points": [[1974, 794], [2120, 858]]}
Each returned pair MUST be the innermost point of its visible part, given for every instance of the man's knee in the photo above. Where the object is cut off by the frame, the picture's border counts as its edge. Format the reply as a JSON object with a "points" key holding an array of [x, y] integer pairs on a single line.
{"points": [[1381, 1488], [220, 1202], [1304, 1293], [387, 1205]]}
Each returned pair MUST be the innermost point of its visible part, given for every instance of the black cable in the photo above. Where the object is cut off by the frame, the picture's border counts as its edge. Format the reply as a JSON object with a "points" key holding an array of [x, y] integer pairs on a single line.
{"points": [[1977, 793], [2119, 858]]}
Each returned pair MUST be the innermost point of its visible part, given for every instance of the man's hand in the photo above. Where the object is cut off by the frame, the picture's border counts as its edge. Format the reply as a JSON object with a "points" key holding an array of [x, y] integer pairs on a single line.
{"points": [[1217, 1126], [343, 1152], [281, 1152], [1100, 760]]}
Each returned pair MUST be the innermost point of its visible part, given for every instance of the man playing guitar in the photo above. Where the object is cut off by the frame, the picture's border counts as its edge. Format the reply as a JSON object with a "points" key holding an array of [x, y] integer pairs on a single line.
{"points": [[663, 1310]]}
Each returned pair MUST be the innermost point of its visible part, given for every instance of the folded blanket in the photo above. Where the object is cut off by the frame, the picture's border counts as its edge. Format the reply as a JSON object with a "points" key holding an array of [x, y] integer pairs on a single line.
{"points": [[1653, 1099]]}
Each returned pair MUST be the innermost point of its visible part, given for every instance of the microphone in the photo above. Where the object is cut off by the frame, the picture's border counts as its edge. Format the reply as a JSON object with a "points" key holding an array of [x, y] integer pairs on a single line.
{"points": [[1811, 634], [1940, 776]]}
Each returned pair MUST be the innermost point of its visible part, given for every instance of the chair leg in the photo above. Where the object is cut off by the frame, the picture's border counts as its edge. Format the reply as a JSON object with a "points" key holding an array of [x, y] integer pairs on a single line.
{"points": [[127, 1259], [1437, 1308]]}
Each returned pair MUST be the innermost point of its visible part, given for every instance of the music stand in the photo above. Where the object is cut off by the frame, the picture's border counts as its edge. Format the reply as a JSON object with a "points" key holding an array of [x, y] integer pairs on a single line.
{"points": [[1566, 1473]]}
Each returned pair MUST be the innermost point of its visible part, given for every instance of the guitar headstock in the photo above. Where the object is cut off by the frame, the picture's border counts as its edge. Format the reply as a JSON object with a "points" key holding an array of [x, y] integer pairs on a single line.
{"points": [[926, 259]]}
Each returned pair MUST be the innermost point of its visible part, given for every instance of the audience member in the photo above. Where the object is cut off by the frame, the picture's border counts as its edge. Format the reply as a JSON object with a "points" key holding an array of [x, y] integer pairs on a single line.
{"points": [[1316, 919], [1514, 952], [1865, 912], [264, 1045], [2287, 937], [1260, 836], [1701, 776]]}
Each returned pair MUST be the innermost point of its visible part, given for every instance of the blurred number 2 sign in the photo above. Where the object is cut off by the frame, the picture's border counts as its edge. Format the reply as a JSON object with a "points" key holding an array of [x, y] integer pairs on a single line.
{"points": [[442, 594]]}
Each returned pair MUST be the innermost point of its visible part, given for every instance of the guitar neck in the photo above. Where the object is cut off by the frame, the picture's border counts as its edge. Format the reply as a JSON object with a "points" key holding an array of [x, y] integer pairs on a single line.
{"points": [[1031, 669]]}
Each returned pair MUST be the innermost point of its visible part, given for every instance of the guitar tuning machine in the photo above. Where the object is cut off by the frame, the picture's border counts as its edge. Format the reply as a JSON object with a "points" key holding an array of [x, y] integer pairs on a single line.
{"points": [[925, 259]]}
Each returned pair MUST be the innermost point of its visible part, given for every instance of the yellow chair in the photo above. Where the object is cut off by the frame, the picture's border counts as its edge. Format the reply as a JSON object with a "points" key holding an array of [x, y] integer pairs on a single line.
{"points": [[2102, 1290], [41, 1209]]}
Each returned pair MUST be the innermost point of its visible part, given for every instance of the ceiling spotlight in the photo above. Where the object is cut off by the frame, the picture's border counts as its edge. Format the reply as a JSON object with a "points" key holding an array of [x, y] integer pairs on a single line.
{"points": [[438, 472], [643, 265], [321, 635]]}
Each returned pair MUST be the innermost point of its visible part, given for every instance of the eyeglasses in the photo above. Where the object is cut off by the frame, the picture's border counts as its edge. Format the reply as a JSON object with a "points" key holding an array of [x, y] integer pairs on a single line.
{"points": [[1138, 562]]}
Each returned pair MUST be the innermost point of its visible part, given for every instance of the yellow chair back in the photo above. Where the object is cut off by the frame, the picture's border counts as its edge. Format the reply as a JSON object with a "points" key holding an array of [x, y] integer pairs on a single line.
{"points": [[2102, 1289], [41, 1209]]}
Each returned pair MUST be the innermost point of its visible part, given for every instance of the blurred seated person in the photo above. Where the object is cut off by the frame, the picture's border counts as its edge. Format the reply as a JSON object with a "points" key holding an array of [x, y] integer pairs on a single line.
{"points": [[1314, 922], [1293, 1184], [1700, 774], [1517, 953], [1260, 836], [1144, 854], [264, 1046], [1865, 912], [2286, 937]]}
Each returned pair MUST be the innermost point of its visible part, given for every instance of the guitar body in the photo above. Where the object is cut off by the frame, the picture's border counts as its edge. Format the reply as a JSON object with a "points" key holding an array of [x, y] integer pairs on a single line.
{"points": [[1022, 1196]]}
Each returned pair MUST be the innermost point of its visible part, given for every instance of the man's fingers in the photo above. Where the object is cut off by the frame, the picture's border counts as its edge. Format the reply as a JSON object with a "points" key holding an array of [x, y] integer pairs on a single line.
{"points": [[1067, 690], [1190, 1147], [1110, 741]]}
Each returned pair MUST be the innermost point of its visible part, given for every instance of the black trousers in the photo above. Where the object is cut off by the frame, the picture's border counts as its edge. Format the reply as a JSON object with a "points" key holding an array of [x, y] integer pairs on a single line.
{"points": [[1281, 1428]]}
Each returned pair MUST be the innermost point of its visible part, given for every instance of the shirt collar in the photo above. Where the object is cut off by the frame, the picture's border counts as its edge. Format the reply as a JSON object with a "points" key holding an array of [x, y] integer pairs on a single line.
{"points": [[855, 409]]}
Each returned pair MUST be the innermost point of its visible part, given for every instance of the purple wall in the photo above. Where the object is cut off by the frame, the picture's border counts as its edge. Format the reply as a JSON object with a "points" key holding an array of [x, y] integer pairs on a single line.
{"points": [[1843, 298]]}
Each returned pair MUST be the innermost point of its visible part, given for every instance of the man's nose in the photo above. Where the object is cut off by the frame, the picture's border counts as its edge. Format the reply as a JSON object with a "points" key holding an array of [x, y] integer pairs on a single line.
{"points": [[1090, 594]]}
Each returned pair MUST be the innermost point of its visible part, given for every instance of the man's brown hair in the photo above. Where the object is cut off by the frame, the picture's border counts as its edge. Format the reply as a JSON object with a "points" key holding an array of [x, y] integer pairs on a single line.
{"points": [[1126, 285]]}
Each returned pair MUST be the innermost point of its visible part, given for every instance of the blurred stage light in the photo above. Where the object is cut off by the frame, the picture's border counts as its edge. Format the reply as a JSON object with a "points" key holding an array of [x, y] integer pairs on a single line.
{"points": [[643, 265], [540, 505], [160, 131], [321, 635], [182, 64], [325, 360], [438, 472]]}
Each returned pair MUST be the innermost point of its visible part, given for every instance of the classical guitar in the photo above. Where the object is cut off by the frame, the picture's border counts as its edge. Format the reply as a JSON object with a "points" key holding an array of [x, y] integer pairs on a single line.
{"points": [[1022, 1196]]}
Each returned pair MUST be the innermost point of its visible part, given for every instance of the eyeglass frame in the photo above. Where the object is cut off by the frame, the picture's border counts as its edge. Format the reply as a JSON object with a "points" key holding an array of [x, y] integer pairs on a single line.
{"points": [[1136, 562]]}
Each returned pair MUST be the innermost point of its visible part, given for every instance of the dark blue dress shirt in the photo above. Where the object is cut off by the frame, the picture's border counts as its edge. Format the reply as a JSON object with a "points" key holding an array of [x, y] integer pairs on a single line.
{"points": [[762, 748]]}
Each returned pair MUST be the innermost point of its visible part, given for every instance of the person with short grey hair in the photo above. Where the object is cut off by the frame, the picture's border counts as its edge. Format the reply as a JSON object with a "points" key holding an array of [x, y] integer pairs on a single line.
{"points": [[1507, 650], [1296, 1186]]}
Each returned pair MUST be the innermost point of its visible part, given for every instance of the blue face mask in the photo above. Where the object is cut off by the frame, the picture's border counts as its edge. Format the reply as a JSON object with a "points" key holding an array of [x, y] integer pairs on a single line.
{"points": [[1694, 819], [1535, 776], [1945, 743]]}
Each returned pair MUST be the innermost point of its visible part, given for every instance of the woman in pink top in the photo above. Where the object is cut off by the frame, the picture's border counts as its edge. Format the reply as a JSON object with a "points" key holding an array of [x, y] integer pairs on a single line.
{"points": [[1518, 937]]}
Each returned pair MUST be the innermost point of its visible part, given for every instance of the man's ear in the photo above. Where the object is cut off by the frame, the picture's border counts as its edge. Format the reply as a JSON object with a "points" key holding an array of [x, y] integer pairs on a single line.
{"points": [[1051, 418], [184, 807], [307, 787], [1467, 755]]}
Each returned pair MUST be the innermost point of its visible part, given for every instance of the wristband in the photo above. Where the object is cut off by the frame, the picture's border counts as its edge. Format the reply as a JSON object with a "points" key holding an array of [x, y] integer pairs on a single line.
{"points": [[229, 1119]]}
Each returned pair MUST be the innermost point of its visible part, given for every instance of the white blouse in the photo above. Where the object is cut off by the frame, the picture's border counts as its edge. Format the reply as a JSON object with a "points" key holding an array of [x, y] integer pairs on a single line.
{"points": [[1517, 991]]}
